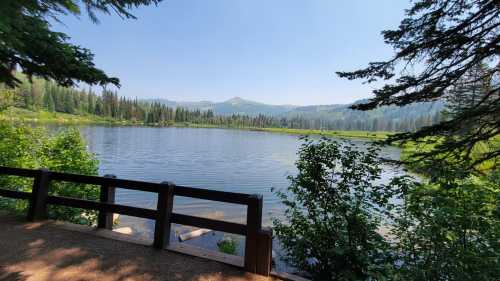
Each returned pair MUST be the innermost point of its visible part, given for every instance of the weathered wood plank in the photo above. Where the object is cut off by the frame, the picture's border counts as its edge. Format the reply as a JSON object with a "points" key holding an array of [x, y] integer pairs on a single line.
{"points": [[254, 224], [264, 251], [118, 183], [163, 222], [193, 234], [15, 194], [18, 172], [107, 195], [104, 207], [214, 195], [38, 203], [224, 226]]}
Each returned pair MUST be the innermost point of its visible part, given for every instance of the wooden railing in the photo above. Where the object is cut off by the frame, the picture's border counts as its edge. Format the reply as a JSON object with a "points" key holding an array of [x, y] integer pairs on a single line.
{"points": [[258, 242]]}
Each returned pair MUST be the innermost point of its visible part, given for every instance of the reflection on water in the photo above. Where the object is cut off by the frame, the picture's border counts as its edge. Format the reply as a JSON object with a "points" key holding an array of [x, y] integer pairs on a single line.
{"points": [[220, 159]]}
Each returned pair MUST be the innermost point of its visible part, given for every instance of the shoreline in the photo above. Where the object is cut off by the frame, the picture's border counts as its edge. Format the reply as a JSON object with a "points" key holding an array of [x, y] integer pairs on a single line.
{"points": [[13, 114]]}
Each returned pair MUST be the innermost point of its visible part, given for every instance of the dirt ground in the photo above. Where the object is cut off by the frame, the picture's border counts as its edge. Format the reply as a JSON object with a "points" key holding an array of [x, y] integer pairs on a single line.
{"points": [[47, 252]]}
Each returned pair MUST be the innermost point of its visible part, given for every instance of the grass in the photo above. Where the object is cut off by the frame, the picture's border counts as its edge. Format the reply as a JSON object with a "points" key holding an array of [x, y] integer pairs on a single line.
{"points": [[328, 133], [409, 149], [20, 114]]}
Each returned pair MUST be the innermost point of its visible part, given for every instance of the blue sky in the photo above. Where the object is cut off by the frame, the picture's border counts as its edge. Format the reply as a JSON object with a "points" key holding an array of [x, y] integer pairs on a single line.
{"points": [[278, 52]]}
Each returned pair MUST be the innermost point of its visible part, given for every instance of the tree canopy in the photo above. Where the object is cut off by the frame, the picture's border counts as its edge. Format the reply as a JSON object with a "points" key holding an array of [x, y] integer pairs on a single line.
{"points": [[347, 220], [27, 41], [437, 47]]}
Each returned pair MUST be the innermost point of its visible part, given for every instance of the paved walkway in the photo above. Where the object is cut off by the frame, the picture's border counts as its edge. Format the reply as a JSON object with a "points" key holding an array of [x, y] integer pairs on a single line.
{"points": [[48, 252]]}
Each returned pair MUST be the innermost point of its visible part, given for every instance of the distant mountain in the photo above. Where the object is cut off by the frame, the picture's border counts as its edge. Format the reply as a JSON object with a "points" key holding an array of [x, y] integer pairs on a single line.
{"points": [[238, 105], [202, 105], [234, 105]]}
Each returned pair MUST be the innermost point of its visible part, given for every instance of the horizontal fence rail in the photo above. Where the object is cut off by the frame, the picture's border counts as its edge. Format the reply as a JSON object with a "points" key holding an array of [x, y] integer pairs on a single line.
{"points": [[258, 242]]}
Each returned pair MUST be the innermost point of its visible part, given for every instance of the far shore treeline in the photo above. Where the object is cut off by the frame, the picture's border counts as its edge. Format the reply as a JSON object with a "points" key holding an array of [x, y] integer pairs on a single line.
{"points": [[48, 96]]}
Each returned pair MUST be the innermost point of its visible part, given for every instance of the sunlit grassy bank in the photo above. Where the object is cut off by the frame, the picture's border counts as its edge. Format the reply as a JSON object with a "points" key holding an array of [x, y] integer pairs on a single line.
{"points": [[328, 133], [409, 149], [20, 114]]}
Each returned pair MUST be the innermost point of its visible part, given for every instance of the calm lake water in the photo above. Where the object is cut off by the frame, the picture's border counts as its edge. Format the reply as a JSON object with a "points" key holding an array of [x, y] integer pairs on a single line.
{"points": [[219, 159]]}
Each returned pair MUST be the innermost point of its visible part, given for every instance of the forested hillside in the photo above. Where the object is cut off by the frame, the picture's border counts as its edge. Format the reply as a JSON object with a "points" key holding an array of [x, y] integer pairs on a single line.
{"points": [[334, 117], [47, 96], [386, 118]]}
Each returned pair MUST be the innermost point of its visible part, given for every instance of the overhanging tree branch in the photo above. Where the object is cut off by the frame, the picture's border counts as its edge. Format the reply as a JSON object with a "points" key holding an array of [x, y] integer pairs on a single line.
{"points": [[27, 41], [447, 39]]}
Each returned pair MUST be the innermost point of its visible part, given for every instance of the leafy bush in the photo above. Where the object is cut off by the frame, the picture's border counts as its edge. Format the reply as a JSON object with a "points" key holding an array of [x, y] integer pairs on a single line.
{"points": [[6, 98], [26, 147], [449, 230], [334, 211], [445, 227], [227, 245]]}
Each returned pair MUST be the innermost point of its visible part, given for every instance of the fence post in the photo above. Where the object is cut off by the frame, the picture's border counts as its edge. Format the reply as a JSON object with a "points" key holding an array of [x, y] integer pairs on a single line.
{"points": [[264, 251], [254, 225], [38, 202], [107, 195], [164, 208]]}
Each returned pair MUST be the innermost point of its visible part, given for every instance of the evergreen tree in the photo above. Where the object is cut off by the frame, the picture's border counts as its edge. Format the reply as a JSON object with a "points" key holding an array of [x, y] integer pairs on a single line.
{"points": [[446, 39], [109, 104], [29, 43], [48, 102]]}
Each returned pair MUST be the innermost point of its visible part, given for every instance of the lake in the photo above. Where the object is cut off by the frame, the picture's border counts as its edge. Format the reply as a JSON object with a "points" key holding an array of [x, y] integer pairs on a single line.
{"points": [[219, 159]]}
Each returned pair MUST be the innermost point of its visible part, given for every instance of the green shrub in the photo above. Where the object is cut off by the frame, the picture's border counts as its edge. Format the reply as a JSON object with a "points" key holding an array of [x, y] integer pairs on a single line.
{"points": [[445, 227], [334, 211], [449, 230], [227, 245], [25, 147]]}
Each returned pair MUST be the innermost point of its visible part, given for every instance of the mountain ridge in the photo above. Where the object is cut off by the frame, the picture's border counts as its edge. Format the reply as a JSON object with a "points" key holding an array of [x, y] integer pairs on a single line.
{"points": [[235, 105], [242, 106], [238, 105]]}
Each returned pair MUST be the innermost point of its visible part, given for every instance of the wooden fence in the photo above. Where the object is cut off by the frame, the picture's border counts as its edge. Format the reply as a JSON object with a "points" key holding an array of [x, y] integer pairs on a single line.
{"points": [[258, 241]]}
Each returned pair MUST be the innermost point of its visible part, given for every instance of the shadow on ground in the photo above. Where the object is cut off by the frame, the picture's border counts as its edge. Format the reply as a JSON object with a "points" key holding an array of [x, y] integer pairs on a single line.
{"points": [[46, 252]]}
